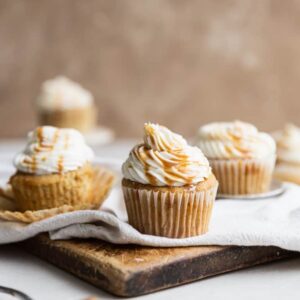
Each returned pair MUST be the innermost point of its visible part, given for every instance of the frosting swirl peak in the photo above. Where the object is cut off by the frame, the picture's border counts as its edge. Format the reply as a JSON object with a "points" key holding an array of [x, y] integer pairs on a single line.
{"points": [[165, 159], [160, 138], [51, 150], [234, 140]]}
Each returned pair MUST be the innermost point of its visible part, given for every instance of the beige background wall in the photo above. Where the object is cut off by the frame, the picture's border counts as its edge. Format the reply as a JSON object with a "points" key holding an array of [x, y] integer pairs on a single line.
{"points": [[181, 63]]}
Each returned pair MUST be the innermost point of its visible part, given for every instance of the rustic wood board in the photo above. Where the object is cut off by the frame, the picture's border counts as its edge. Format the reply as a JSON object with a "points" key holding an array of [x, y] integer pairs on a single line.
{"points": [[128, 270]]}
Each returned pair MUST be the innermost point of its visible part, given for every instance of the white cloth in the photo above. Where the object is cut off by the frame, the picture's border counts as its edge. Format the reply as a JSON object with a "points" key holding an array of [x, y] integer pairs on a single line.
{"points": [[273, 221]]}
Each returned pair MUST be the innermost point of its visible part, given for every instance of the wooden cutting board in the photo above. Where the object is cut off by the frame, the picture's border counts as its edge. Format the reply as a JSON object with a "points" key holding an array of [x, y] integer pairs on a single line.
{"points": [[129, 270]]}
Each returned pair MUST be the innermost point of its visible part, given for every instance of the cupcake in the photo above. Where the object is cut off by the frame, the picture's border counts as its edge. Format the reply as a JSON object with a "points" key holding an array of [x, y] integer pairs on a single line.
{"points": [[53, 170], [241, 157], [168, 186], [288, 154], [65, 104]]}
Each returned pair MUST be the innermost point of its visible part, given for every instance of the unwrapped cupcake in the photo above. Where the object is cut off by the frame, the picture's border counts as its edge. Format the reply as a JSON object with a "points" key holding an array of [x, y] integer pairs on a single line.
{"points": [[168, 185], [288, 154], [241, 157], [65, 104], [53, 170]]}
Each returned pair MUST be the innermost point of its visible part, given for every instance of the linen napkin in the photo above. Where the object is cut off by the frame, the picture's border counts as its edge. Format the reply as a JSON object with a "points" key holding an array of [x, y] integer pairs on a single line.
{"points": [[262, 222]]}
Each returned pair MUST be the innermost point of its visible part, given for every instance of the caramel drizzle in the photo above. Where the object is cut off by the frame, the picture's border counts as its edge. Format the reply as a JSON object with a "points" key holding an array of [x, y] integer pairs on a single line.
{"points": [[31, 164], [39, 133], [180, 160], [41, 146], [60, 164], [158, 142], [237, 143], [137, 154]]}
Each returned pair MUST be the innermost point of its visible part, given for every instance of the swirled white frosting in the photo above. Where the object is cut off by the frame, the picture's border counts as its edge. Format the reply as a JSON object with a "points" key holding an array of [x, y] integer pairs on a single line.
{"points": [[234, 140], [288, 144], [165, 159], [50, 150], [62, 93]]}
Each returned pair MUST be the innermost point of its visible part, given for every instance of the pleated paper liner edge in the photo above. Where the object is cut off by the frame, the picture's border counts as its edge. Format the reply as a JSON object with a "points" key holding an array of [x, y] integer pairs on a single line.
{"points": [[104, 180]]}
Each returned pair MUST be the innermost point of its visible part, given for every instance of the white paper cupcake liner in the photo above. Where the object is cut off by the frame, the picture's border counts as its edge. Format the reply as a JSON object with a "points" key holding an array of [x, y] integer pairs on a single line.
{"points": [[243, 176], [169, 214]]}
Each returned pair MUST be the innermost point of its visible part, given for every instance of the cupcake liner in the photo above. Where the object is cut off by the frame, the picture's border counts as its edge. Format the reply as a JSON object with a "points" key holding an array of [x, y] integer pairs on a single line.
{"points": [[243, 176], [173, 214], [85, 186], [30, 216]]}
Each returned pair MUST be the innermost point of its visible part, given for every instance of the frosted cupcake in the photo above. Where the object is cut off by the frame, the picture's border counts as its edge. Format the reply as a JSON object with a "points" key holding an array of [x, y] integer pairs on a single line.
{"points": [[241, 157], [65, 104], [288, 154], [53, 170], [168, 185]]}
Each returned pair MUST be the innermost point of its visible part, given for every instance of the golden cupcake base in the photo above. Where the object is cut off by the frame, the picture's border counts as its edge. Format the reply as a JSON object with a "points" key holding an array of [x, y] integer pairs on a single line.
{"points": [[174, 212], [35, 192], [102, 184]]}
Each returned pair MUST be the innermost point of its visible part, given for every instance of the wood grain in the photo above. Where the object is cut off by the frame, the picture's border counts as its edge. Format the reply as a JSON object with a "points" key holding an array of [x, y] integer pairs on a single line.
{"points": [[129, 270]]}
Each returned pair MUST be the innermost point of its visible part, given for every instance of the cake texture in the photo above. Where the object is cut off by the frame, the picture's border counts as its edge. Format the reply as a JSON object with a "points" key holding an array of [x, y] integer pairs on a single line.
{"points": [[53, 170], [65, 104], [288, 154], [241, 157], [103, 180], [168, 186]]}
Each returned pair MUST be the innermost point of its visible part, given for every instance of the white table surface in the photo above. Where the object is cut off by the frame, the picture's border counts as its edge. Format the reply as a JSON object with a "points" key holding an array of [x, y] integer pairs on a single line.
{"points": [[42, 281]]}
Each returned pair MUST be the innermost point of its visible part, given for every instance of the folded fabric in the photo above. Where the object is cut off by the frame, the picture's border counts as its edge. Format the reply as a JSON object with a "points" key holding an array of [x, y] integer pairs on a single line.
{"points": [[265, 222]]}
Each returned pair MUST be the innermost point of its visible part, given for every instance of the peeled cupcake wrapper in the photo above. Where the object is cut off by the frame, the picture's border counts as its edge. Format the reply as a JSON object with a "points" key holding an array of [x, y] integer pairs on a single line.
{"points": [[33, 192], [243, 176], [170, 214], [53, 195]]}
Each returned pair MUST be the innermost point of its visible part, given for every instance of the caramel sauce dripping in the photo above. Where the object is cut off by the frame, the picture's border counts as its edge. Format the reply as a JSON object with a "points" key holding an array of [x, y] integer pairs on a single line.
{"points": [[39, 133], [60, 164], [34, 164], [234, 137], [228, 150], [41, 146], [166, 146], [159, 143], [31, 164], [242, 150], [149, 176], [152, 140], [237, 144]]}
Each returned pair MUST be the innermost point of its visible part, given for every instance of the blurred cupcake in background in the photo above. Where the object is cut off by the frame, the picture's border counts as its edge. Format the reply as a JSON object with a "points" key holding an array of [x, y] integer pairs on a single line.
{"points": [[241, 157], [168, 185], [288, 154], [65, 104]]}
